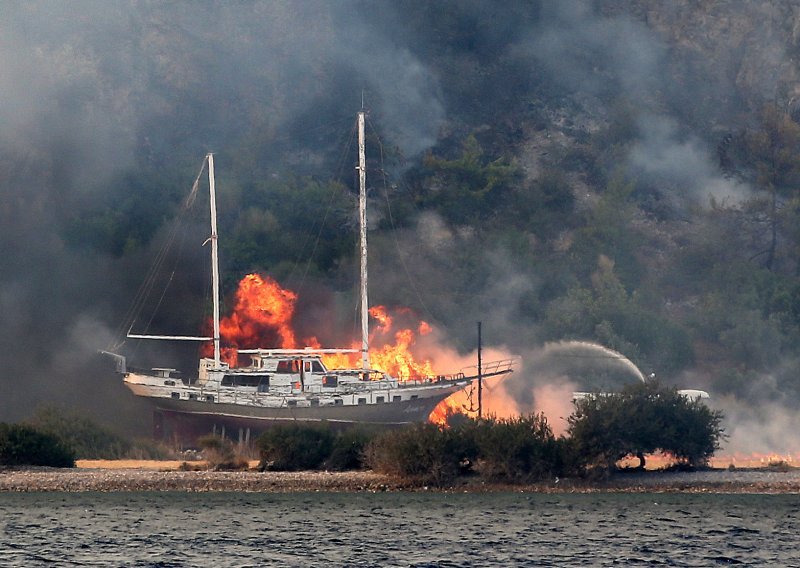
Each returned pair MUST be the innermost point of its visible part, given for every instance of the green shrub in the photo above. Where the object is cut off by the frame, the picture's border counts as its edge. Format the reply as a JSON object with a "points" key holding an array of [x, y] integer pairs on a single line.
{"points": [[24, 445], [86, 438], [644, 418], [521, 449], [348, 450], [422, 453], [294, 447]]}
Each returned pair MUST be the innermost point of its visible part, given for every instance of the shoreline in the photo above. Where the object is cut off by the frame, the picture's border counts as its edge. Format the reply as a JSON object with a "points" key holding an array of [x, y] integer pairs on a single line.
{"points": [[148, 476]]}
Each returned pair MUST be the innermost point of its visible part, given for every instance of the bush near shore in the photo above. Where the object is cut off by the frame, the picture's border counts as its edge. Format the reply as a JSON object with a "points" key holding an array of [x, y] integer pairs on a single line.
{"points": [[643, 418], [512, 450], [503, 450], [86, 438], [21, 444], [56, 437], [296, 447]]}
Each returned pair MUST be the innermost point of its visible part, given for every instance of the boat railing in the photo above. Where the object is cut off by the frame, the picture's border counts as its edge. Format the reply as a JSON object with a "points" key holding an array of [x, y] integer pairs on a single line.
{"points": [[430, 379], [490, 369]]}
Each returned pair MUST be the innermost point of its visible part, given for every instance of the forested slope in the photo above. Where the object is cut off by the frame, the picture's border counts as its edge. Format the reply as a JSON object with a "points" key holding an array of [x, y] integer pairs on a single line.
{"points": [[623, 172]]}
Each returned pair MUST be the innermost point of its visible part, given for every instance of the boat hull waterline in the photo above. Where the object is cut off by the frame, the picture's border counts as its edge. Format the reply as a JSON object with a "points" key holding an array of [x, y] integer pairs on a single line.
{"points": [[294, 386], [394, 413]]}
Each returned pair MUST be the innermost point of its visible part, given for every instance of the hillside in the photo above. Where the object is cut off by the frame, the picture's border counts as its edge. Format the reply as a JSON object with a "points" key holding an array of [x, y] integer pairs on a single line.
{"points": [[620, 171]]}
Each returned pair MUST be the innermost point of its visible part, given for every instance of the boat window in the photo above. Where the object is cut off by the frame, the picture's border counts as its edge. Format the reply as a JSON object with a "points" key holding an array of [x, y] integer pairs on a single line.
{"points": [[192, 396], [288, 366], [362, 401], [414, 397], [338, 402], [176, 395], [330, 381], [307, 366], [291, 402], [251, 380], [209, 398], [316, 366], [397, 398], [314, 402], [169, 383], [232, 380], [379, 399]]}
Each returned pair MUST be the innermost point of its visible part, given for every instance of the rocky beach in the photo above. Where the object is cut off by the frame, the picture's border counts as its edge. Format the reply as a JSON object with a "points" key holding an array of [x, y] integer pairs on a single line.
{"points": [[165, 476]]}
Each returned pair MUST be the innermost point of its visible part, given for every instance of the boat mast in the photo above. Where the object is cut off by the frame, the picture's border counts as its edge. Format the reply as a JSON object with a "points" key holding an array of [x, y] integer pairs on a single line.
{"points": [[362, 223], [214, 256]]}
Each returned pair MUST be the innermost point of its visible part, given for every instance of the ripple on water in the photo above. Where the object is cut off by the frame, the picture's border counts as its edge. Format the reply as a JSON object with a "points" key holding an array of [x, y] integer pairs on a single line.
{"points": [[396, 529]]}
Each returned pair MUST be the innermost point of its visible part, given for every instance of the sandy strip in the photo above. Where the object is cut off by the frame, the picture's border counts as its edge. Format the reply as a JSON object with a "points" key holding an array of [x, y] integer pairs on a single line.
{"points": [[155, 465]]}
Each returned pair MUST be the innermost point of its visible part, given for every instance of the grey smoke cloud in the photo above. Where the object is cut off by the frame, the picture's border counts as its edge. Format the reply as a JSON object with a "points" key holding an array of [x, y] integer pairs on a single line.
{"points": [[590, 53], [662, 155], [92, 90]]}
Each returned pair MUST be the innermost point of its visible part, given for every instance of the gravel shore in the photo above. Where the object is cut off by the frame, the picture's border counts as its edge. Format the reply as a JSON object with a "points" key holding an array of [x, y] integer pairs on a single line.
{"points": [[78, 479], [137, 479]]}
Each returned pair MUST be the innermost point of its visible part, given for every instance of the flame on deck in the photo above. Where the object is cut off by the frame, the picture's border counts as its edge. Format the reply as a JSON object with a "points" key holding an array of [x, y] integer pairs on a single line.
{"points": [[263, 314]]}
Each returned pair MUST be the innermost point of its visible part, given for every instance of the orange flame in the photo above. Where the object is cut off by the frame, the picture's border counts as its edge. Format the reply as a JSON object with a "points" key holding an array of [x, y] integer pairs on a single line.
{"points": [[262, 317], [263, 312], [450, 406], [395, 357]]}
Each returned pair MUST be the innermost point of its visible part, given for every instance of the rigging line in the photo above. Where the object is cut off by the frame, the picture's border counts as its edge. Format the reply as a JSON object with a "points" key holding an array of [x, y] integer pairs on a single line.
{"points": [[181, 245], [144, 289], [300, 255], [416, 290], [180, 235], [150, 278], [160, 300], [149, 281]]}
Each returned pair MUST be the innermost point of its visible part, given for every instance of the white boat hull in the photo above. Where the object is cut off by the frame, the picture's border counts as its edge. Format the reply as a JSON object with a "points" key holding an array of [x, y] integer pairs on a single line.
{"points": [[366, 402], [391, 413]]}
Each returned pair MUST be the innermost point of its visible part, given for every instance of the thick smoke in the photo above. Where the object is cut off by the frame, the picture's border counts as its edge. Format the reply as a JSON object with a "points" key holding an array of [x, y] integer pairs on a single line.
{"points": [[95, 91], [617, 57]]}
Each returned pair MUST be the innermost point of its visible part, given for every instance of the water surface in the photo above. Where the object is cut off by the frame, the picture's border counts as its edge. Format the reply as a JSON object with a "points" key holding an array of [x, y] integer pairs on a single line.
{"points": [[397, 529]]}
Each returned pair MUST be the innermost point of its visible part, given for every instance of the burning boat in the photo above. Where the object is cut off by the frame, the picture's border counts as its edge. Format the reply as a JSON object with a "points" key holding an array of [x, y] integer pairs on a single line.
{"points": [[292, 384]]}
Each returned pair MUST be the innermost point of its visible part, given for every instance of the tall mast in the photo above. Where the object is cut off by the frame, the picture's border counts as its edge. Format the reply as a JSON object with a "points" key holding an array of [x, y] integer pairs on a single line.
{"points": [[214, 256], [362, 223], [480, 375]]}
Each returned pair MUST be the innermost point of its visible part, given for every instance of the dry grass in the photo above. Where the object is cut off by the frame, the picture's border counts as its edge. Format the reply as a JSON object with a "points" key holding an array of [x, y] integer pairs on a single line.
{"points": [[147, 465]]}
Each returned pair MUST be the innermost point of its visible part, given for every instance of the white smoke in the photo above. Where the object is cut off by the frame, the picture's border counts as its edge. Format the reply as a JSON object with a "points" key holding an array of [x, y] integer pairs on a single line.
{"points": [[682, 164]]}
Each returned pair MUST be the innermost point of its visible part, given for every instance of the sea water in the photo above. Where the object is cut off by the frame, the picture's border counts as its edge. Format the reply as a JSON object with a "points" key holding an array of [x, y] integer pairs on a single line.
{"points": [[397, 529]]}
